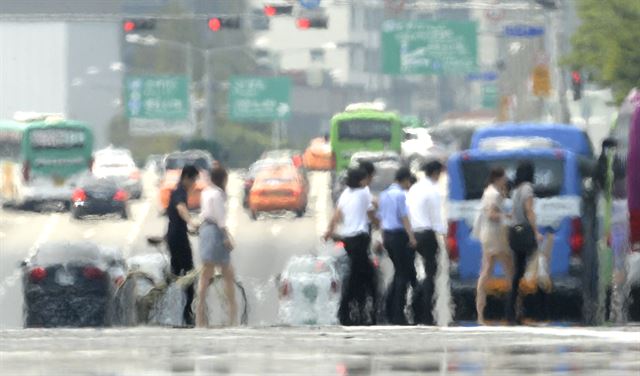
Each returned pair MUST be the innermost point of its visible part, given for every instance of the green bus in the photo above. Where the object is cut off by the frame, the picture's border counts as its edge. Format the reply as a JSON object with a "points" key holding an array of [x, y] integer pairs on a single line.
{"points": [[364, 127], [41, 158]]}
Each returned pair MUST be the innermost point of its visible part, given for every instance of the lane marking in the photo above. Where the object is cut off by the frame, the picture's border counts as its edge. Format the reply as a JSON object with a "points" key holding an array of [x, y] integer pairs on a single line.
{"points": [[618, 335], [90, 233], [276, 229], [139, 219], [321, 192], [49, 226]]}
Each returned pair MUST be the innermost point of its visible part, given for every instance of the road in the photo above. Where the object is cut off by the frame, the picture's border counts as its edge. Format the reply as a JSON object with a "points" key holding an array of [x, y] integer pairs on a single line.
{"points": [[262, 246], [264, 347]]}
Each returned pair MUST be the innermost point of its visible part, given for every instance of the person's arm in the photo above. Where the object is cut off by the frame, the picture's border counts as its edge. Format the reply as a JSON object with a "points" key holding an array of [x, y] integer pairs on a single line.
{"points": [[531, 216], [407, 227], [335, 219], [403, 212], [183, 212]]}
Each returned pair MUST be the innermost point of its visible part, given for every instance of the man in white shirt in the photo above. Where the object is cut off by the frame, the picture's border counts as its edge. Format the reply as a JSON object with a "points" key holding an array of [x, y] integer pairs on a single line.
{"points": [[350, 223], [425, 214]]}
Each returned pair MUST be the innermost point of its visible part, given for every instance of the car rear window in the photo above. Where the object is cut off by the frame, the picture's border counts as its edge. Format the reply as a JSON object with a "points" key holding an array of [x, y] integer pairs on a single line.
{"points": [[548, 180]]}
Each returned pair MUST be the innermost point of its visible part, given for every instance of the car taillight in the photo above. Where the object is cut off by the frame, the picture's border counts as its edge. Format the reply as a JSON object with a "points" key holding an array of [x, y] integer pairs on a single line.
{"points": [[258, 192], [452, 241], [26, 170], [285, 288], [91, 272], [135, 175], [340, 245], [79, 195], [121, 195], [296, 191], [576, 241], [376, 262], [37, 274], [334, 287]]}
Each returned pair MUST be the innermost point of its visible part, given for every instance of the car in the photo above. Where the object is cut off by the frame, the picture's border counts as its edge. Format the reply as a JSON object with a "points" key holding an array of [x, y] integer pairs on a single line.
{"points": [[71, 284], [309, 291], [386, 165], [254, 169], [281, 188], [173, 164], [294, 155], [418, 148], [318, 156], [118, 164], [99, 196]]}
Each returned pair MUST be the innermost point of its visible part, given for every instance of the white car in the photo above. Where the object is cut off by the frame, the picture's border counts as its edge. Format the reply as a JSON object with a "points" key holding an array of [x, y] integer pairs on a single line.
{"points": [[310, 291], [118, 164], [418, 147]]}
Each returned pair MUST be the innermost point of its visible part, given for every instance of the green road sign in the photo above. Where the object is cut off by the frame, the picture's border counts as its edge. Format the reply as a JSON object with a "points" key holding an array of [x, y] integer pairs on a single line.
{"points": [[490, 96], [429, 47], [259, 98], [157, 97]]}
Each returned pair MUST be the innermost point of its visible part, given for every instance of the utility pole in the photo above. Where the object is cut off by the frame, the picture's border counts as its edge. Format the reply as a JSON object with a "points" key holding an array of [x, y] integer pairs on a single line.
{"points": [[208, 127]]}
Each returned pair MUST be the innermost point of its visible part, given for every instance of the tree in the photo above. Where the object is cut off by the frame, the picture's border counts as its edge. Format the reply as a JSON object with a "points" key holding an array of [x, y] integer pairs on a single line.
{"points": [[607, 44]]}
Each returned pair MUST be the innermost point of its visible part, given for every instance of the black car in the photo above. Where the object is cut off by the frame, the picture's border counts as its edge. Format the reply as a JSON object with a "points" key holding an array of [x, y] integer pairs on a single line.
{"points": [[99, 196], [70, 285]]}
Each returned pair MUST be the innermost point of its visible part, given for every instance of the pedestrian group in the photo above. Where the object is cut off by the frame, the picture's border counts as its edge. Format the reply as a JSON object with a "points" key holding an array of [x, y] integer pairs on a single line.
{"points": [[409, 215]]}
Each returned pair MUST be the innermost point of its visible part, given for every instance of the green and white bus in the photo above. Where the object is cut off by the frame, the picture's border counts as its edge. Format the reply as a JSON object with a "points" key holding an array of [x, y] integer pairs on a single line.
{"points": [[364, 127], [41, 158]]}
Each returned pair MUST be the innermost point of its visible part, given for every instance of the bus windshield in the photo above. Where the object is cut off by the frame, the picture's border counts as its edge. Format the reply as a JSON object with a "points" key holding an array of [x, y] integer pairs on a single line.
{"points": [[548, 179], [364, 129]]}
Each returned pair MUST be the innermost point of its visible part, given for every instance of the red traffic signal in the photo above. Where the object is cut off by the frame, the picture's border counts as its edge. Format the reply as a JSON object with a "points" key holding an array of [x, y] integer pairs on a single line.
{"points": [[128, 26], [220, 23], [140, 24], [215, 24], [276, 10], [305, 23], [576, 83]]}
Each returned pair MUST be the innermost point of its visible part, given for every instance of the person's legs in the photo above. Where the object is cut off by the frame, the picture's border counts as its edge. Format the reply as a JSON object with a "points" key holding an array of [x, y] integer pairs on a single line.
{"points": [[229, 276], [431, 269], [344, 312], [404, 274], [203, 285], [481, 292], [181, 264], [520, 263]]}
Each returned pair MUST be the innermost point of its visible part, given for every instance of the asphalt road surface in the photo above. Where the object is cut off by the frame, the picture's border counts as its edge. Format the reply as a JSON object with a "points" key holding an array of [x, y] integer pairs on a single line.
{"points": [[264, 347]]}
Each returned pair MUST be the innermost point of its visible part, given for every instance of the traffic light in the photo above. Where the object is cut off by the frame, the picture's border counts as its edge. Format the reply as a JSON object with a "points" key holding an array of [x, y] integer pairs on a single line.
{"points": [[278, 10], [221, 23], [318, 22], [576, 84], [136, 25]]}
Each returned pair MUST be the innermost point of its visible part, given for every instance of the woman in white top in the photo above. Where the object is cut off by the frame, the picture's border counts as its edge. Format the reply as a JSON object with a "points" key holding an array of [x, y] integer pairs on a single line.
{"points": [[491, 228], [215, 245]]}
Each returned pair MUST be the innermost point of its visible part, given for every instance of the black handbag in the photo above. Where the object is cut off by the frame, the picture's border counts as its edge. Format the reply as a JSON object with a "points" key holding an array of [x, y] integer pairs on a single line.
{"points": [[522, 238]]}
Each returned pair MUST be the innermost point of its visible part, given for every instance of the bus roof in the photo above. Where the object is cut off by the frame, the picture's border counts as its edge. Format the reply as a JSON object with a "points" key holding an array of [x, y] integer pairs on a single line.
{"points": [[487, 155], [568, 136], [366, 114], [22, 126]]}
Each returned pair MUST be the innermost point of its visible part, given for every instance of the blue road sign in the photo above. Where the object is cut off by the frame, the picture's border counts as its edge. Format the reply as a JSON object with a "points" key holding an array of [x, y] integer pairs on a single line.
{"points": [[310, 4], [482, 76], [523, 31]]}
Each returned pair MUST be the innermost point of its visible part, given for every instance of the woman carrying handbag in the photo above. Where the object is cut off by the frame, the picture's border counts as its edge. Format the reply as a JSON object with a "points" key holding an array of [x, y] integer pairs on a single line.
{"points": [[523, 234]]}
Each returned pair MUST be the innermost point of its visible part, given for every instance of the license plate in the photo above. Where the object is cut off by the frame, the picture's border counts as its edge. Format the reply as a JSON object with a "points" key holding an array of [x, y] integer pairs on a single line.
{"points": [[310, 292], [58, 181], [64, 278]]}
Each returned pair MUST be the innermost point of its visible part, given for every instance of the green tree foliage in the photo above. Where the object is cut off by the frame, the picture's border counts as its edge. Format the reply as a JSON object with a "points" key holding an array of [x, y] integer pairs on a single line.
{"points": [[607, 43]]}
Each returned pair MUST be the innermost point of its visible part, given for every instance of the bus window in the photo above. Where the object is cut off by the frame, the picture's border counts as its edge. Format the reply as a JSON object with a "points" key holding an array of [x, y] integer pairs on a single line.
{"points": [[10, 145], [364, 129], [57, 138], [548, 180]]}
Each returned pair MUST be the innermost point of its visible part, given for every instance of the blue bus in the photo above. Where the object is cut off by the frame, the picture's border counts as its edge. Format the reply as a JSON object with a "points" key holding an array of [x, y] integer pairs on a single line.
{"points": [[558, 187]]}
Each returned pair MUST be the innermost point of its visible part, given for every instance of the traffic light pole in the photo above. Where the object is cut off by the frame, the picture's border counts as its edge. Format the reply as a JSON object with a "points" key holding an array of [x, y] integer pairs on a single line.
{"points": [[208, 127]]}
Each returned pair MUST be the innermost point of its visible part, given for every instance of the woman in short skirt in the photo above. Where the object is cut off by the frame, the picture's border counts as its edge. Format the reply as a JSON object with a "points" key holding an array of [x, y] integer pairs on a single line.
{"points": [[215, 245]]}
